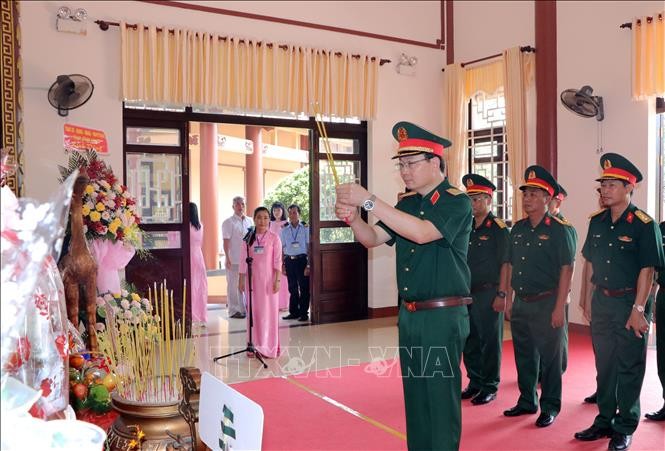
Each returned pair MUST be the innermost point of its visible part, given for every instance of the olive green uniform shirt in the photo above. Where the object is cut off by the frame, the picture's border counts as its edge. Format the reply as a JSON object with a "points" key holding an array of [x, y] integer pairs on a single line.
{"points": [[538, 253], [618, 251], [489, 248], [439, 268]]}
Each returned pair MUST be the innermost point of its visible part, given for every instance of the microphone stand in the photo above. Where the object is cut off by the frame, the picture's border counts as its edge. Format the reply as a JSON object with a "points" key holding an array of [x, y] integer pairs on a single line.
{"points": [[250, 346]]}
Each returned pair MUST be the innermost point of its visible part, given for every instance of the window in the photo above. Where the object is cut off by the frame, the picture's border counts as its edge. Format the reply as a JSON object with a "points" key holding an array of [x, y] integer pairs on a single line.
{"points": [[487, 151]]}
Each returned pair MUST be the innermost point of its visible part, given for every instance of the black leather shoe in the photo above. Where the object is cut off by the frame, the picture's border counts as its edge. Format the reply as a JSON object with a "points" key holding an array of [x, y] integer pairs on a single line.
{"points": [[659, 415], [470, 392], [483, 398], [593, 433], [290, 316], [593, 399], [545, 419], [518, 410], [620, 442], [303, 318]]}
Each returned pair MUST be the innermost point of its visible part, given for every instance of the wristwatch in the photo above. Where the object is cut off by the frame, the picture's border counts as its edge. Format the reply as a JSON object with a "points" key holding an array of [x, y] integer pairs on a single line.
{"points": [[368, 205], [501, 294], [639, 308]]}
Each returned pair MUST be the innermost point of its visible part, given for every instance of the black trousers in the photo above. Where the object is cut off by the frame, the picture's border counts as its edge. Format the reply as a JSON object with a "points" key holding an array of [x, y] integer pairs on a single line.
{"points": [[298, 285]]}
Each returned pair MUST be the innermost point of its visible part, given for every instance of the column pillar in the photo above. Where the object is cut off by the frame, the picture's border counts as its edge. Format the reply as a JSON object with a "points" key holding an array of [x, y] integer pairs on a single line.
{"points": [[254, 170], [209, 199], [547, 97]]}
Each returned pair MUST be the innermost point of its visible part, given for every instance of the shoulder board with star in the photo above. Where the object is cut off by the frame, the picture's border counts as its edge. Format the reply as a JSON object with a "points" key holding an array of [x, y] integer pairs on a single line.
{"points": [[593, 215], [500, 223], [562, 221], [454, 191], [645, 218]]}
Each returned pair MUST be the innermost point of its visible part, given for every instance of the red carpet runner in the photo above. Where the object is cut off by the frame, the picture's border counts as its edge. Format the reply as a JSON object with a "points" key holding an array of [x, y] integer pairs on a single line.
{"points": [[361, 407]]}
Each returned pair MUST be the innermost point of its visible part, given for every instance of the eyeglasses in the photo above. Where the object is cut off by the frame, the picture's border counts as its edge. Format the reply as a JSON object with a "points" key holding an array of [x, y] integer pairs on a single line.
{"points": [[407, 165]]}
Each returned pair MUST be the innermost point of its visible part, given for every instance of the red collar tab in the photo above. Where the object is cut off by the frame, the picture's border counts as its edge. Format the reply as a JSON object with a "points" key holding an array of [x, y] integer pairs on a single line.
{"points": [[435, 197], [548, 221], [488, 223], [629, 217]]}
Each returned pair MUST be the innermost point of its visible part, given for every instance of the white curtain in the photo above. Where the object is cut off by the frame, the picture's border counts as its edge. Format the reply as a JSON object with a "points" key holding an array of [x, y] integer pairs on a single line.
{"points": [[455, 123], [648, 56], [185, 67]]}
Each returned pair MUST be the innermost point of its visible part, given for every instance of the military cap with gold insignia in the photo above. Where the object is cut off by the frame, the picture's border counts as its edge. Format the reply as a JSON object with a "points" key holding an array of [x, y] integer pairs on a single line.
{"points": [[477, 184], [616, 167], [413, 140], [538, 177], [561, 193]]}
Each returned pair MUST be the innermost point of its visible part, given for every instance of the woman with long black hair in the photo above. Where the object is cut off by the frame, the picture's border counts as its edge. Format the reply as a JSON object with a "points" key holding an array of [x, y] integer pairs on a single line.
{"points": [[199, 278]]}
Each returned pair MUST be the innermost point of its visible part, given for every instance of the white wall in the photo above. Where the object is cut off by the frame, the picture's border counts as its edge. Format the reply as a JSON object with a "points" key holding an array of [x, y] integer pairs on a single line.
{"points": [[593, 50], [47, 53]]}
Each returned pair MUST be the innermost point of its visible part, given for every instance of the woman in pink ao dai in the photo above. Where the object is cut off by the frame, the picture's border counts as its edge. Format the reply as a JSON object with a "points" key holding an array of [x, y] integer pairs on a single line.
{"points": [[265, 249]]}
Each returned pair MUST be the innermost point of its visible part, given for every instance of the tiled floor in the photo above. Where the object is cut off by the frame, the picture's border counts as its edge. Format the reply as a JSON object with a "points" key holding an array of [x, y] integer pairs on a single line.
{"points": [[305, 347]]}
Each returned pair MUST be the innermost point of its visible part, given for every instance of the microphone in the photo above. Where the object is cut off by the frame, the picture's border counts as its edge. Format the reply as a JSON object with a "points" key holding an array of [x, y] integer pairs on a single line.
{"points": [[250, 233]]}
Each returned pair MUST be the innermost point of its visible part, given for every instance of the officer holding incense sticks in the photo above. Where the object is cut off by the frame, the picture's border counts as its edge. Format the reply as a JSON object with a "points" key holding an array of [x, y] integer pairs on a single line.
{"points": [[430, 228]]}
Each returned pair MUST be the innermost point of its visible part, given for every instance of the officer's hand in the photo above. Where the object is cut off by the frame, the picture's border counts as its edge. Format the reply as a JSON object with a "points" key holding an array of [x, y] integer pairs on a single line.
{"points": [[586, 310], [509, 309], [351, 194], [638, 323], [558, 316], [347, 213], [499, 304]]}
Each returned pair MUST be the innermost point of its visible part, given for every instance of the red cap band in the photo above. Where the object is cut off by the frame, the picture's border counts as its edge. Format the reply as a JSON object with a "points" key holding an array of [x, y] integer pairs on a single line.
{"points": [[422, 145], [616, 173], [540, 183], [479, 189]]}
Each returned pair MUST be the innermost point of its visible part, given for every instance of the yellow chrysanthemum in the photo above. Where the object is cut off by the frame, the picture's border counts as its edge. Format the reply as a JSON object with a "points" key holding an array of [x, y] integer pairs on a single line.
{"points": [[116, 295], [95, 216], [100, 206], [113, 227], [89, 189], [85, 210], [136, 297]]}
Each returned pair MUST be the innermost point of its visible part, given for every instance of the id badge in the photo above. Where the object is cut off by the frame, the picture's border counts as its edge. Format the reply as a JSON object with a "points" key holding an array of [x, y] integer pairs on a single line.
{"points": [[258, 250], [295, 245]]}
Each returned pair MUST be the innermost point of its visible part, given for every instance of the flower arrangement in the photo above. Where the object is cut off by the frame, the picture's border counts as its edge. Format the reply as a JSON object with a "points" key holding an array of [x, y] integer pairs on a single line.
{"points": [[127, 308], [109, 210]]}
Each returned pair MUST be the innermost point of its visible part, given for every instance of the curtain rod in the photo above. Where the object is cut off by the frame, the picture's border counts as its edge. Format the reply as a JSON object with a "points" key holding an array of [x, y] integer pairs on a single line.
{"points": [[525, 49], [629, 25], [105, 24]]}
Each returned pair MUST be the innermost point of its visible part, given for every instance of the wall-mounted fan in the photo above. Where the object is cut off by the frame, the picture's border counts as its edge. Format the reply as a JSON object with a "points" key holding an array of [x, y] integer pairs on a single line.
{"points": [[69, 92], [583, 102]]}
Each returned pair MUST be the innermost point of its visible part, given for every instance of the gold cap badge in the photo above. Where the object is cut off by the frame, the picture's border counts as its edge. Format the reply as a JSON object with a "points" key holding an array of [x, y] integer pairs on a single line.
{"points": [[402, 135], [469, 183], [532, 175], [607, 164]]}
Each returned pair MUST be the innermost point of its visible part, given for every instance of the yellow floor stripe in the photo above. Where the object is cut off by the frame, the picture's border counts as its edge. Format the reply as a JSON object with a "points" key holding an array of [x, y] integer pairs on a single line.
{"points": [[347, 409]]}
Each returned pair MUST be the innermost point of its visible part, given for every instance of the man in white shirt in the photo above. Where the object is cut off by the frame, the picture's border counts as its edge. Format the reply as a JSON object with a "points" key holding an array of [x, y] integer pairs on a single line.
{"points": [[233, 231]]}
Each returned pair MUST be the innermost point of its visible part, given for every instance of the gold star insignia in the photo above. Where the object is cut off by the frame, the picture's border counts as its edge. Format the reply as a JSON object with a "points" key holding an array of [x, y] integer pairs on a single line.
{"points": [[469, 183], [402, 135], [532, 175], [607, 164]]}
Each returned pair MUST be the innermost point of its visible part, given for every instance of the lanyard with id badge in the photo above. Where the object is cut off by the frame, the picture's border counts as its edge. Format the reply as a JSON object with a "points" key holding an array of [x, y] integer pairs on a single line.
{"points": [[258, 247], [295, 245]]}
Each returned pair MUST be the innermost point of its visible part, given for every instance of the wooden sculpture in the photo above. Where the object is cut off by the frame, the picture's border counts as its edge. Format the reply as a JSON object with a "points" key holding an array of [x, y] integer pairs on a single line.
{"points": [[79, 269]]}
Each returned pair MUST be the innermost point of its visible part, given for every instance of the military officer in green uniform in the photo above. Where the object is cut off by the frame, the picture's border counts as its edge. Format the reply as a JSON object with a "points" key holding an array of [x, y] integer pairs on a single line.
{"points": [[489, 249], [430, 229], [659, 415], [622, 249], [542, 256]]}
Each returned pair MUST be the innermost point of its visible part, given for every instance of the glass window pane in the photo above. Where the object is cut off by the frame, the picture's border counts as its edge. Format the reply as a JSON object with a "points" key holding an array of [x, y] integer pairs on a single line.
{"points": [[340, 146], [336, 235], [347, 172], [161, 240], [156, 181], [151, 136]]}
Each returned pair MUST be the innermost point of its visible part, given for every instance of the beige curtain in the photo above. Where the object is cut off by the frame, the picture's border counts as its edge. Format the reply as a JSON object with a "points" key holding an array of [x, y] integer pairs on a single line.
{"points": [[185, 67], [518, 71], [455, 126], [487, 78], [649, 56]]}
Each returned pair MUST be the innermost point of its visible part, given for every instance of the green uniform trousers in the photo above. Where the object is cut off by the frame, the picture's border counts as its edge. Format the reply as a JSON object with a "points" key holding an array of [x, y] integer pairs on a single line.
{"points": [[620, 362], [660, 336], [482, 352], [537, 343], [431, 344]]}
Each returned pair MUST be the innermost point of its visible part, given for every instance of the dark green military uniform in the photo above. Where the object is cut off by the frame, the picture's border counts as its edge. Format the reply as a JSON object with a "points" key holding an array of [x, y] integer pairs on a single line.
{"points": [[431, 341], [617, 252], [537, 256], [489, 248]]}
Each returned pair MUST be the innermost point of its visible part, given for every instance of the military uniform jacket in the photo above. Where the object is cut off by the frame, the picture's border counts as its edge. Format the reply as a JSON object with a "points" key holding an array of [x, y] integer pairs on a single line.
{"points": [[538, 253], [489, 248], [618, 251], [439, 268], [661, 273], [570, 229]]}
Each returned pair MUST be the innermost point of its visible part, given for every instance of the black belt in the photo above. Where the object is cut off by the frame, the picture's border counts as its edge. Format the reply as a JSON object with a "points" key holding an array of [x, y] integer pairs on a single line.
{"points": [[483, 287], [296, 257], [452, 301], [619, 292], [537, 297]]}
